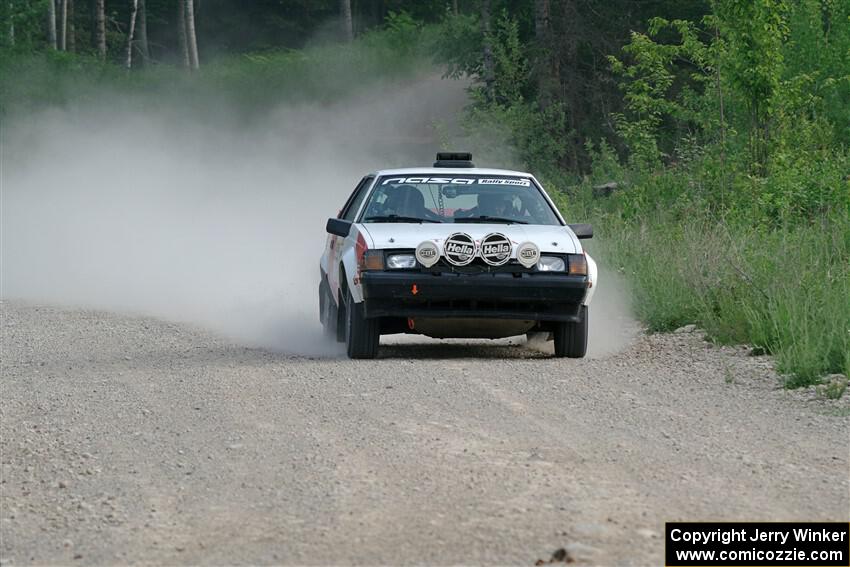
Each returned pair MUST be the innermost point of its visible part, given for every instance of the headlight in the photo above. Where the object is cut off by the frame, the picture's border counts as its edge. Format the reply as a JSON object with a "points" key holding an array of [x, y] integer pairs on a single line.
{"points": [[551, 264], [401, 261], [578, 264]]}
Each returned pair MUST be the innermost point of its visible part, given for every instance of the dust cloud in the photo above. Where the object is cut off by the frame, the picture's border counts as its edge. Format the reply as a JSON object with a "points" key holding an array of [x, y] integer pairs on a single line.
{"points": [[202, 220]]}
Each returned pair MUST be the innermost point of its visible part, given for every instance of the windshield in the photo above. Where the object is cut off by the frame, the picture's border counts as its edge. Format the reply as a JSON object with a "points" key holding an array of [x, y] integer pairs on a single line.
{"points": [[458, 199]]}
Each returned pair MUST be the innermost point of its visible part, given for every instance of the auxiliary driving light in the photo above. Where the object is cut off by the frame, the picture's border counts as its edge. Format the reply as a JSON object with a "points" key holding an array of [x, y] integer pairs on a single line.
{"points": [[527, 254], [427, 253]]}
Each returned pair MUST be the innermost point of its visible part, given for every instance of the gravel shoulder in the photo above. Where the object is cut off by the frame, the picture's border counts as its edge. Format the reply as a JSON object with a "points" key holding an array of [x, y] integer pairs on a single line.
{"points": [[133, 440]]}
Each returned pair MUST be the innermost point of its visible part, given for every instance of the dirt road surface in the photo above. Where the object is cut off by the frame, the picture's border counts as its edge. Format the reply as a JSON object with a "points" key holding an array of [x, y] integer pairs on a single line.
{"points": [[132, 440]]}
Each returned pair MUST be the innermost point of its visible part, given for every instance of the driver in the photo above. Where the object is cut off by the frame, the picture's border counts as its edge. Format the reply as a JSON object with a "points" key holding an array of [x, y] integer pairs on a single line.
{"points": [[407, 201], [494, 205], [491, 205]]}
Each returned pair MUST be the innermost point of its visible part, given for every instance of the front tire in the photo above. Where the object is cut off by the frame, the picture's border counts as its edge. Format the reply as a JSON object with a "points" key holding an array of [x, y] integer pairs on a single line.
{"points": [[362, 335], [571, 338]]}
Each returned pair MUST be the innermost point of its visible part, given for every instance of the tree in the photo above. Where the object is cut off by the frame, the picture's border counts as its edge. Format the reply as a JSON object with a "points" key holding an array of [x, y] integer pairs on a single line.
{"points": [[753, 34], [489, 65], [71, 30], [63, 24], [142, 44], [347, 24], [11, 37], [51, 24], [547, 66], [134, 9], [191, 37], [99, 28], [181, 34]]}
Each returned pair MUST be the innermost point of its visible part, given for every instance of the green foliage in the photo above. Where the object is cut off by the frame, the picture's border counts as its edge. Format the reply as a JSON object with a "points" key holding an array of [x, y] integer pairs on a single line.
{"points": [[507, 130], [752, 35], [834, 389], [458, 44], [787, 291], [252, 83], [816, 83], [512, 69], [400, 32], [648, 78], [711, 108], [733, 209], [22, 23]]}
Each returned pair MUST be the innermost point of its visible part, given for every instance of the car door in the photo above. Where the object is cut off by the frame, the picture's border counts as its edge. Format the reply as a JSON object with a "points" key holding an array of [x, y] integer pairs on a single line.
{"points": [[336, 244]]}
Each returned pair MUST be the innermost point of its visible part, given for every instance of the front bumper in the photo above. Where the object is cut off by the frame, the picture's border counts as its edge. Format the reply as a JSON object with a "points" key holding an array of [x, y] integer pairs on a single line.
{"points": [[531, 296]]}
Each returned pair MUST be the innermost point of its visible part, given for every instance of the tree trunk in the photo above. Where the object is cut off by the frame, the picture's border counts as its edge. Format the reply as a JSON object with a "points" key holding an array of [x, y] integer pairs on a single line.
{"points": [[11, 8], [181, 33], [142, 32], [347, 23], [51, 24], [71, 32], [134, 9], [489, 63], [566, 74], [544, 46], [63, 24], [455, 7], [191, 38], [99, 31], [541, 20]]}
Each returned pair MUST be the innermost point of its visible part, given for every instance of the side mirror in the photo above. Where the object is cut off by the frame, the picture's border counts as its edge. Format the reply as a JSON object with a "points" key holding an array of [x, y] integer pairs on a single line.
{"points": [[338, 227], [582, 231]]}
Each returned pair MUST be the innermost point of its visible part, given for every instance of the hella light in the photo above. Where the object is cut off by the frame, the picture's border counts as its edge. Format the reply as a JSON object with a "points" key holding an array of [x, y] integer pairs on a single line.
{"points": [[551, 264], [401, 261], [578, 264], [427, 253], [527, 254]]}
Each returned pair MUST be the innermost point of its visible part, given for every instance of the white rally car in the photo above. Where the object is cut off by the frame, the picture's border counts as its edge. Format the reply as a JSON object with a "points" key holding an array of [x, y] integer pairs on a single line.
{"points": [[454, 251]]}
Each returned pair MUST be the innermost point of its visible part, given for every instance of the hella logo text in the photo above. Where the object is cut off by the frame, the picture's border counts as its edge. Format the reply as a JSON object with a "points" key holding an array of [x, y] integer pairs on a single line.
{"points": [[494, 249], [455, 248]]}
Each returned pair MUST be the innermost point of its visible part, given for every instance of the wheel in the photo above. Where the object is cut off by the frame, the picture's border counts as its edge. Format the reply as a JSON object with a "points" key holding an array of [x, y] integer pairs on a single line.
{"points": [[362, 335], [327, 311], [571, 338]]}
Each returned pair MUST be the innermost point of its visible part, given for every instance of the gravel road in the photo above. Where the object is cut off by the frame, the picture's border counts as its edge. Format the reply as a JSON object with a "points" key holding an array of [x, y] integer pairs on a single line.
{"points": [[132, 440]]}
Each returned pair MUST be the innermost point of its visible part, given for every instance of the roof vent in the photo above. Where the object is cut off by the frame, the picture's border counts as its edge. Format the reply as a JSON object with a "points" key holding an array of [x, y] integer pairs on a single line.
{"points": [[454, 159]]}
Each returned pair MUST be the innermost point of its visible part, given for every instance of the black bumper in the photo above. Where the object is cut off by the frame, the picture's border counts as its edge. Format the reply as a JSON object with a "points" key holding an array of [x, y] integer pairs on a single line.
{"points": [[537, 297]]}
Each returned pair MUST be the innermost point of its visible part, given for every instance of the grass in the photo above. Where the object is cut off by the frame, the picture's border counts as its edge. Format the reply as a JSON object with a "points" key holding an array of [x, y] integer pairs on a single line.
{"points": [[786, 290], [834, 389], [837, 412]]}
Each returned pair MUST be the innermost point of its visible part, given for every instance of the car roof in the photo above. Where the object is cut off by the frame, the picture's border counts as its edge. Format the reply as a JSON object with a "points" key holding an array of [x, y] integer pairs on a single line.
{"points": [[442, 171]]}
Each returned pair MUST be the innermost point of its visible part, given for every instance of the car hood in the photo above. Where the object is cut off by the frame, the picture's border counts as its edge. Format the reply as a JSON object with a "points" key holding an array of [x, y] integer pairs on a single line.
{"points": [[553, 239]]}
